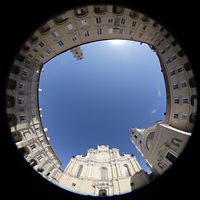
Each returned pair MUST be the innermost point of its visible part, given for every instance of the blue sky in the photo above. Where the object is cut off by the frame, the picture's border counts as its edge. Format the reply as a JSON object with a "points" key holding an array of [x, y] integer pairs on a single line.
{"points": [[118, 85]]}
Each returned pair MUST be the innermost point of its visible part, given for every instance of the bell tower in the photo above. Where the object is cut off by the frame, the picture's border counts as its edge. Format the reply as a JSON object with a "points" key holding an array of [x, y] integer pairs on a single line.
{"points": [[136, 139]]}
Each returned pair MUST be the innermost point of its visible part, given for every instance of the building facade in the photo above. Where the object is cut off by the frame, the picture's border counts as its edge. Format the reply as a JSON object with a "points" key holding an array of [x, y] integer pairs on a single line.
{"points": [[102, 172], [68, 31], [159, 145]]}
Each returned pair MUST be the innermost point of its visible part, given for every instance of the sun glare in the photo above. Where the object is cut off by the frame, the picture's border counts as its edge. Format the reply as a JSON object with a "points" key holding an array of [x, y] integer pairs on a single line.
{"points": [[116, 42]]}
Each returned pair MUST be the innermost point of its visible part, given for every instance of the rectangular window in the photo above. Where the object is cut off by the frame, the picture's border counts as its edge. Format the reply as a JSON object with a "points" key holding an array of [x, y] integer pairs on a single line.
{"points": [[140, 35], [24, 72], [134, 24], [171, 157], [172, 73], [144, 27], [121, 31], [21, 101], [35, 50], [110, 20], [184, 84], [22, 86], [79, 171], [98, 20], [33, 147], [168, 61], [84, 22], [175, 86], [48, 51], [103, 174], [55, 35], [74, 38], [69, 27], [175, 115], [42, 56], [61, 43], [176, 100], [174, 57], [185, 100], [32, 101], [130, 33], [32, 88], [40, 158], [86, 33], [179, 69], [22, 118], [184, 117], [99, 31], [123, 21], [110, 31], [33, 116], [168, 47], [163, 51], [41, 44]]}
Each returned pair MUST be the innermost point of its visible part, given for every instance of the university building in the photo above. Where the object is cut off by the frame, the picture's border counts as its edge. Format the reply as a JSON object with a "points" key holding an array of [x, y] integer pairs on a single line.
{"points": [[68, 31]]}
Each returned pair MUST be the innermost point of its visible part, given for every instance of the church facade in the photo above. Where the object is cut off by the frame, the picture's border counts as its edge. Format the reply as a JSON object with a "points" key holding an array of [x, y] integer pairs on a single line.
{"points": [[102, 172]]}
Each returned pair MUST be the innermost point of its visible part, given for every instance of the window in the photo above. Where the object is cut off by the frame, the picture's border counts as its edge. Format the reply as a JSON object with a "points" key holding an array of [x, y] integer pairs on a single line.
{"points": [[99, 31], [174, 57], [185, 100], [123, 21], [103, 174], [121, 31], [55, 35], [175, 115], [41, 44], [33, 147], [126, 171], [168, 61], [39, 157], [69, 27], [61, 43], [48, 51], [184, 84], [86, 33], [22, 118], [110, 20], [131, 33], [171, 157], [33, 116], [24, 72], [35, 50], [22, 86], [184, 117], [42, 56], [84, 22], [168, 47], [21, 101], [175, 86], [176, 100], [163, 51], [140, 35], [79, 171], [134, 24], [98, 20], [172, 73], [110, 31], [74, 38], [179, 69], [144, 28]]}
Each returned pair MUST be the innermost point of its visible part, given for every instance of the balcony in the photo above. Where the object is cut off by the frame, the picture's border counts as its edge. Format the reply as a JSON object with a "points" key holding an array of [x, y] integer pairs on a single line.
{"points": [[100, 10], [133, 14], [118, 10], [44, 29], [61, 19]]}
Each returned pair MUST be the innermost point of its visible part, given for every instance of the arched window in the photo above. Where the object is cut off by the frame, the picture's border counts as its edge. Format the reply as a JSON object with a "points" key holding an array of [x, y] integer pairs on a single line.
{"points": [[103, 173], [126, 170], [79, 171]]}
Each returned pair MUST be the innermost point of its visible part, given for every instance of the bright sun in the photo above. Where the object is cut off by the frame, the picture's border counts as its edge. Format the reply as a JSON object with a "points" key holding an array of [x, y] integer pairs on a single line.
{"points": [[116, 41]]}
